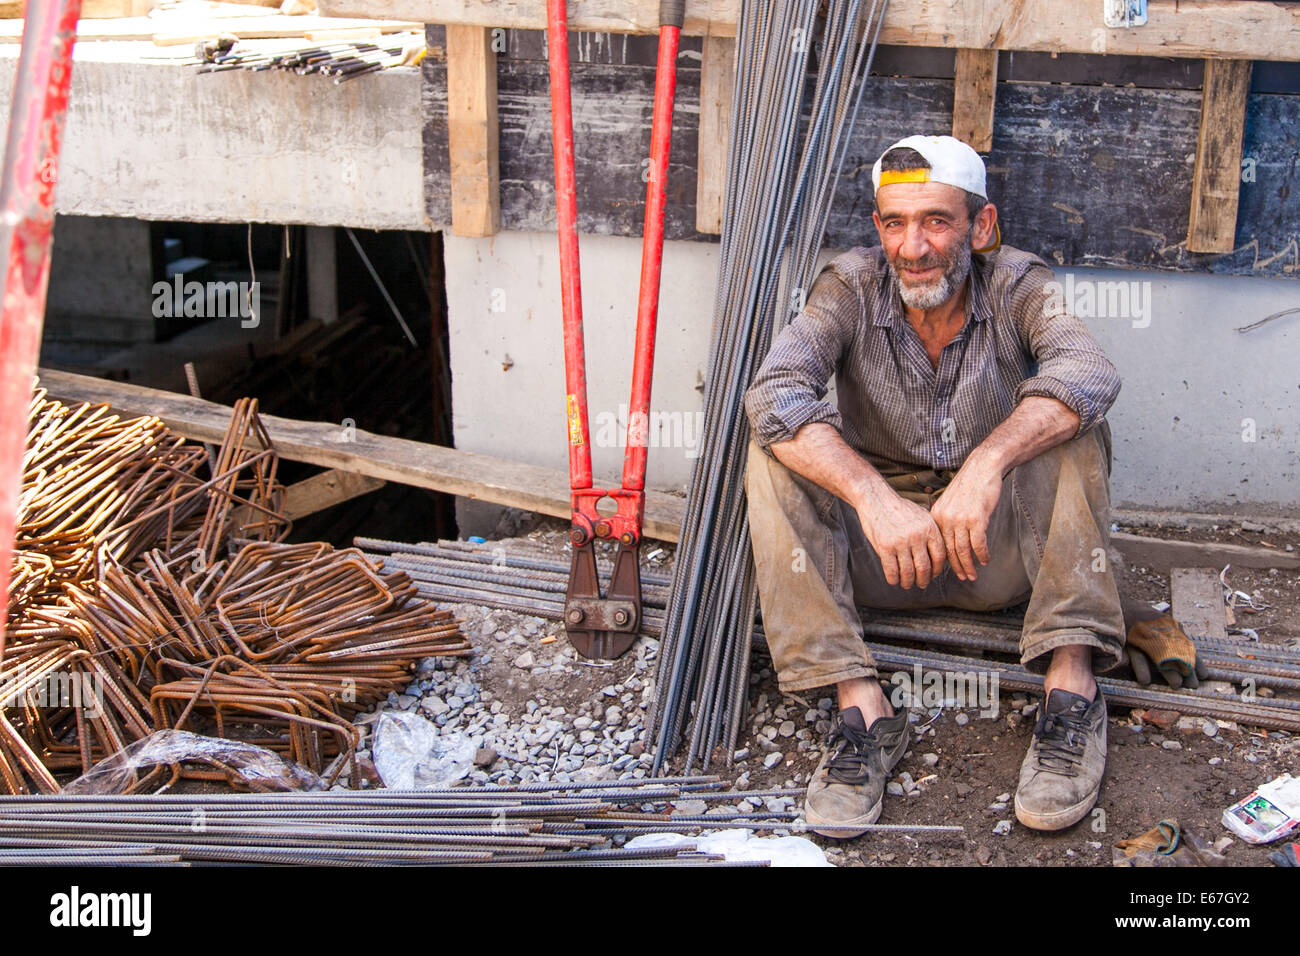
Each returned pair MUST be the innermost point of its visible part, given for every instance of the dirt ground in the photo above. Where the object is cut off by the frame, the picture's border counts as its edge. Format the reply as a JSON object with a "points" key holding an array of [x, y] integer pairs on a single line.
{"points": [[962, 770]]}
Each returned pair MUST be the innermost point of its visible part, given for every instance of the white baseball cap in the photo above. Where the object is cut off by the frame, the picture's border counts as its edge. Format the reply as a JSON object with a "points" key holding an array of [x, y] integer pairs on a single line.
{"points": [[951, 162]]}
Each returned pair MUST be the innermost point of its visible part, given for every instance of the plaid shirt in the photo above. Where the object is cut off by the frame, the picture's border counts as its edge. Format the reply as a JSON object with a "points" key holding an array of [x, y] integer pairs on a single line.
{"points": [[895, 408]]}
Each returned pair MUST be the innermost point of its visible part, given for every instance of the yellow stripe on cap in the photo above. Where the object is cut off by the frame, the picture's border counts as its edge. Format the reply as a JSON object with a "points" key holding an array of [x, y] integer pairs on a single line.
{"points": [[888, 176]]}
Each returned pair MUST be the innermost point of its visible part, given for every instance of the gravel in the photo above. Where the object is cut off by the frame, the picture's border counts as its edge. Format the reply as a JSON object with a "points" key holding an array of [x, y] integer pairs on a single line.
{"points": [[534, 739]]}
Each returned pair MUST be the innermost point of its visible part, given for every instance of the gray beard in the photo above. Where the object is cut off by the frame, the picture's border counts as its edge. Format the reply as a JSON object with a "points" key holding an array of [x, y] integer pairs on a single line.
{"points": [[933, 296]]}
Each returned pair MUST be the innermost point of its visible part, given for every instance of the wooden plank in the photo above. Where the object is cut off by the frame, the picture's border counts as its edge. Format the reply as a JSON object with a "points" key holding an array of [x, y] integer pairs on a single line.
{"points": [[717, 83], [1160, 554], [351, 34], [1216, 179], [325, 490], [974, 92], [105, 9], [260, 28], [703, 17], [612, 109], [482, 477], [1223, 28], [1197, 602], [472, 131]]}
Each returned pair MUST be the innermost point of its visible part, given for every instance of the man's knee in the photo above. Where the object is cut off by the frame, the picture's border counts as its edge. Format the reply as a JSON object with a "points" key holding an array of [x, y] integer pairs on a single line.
{"points": [[1085, 458], [770, 485]]}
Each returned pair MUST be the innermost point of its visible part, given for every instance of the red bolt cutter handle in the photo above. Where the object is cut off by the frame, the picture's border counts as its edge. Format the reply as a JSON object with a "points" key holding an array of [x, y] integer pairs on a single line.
{"points": [[607, 626]]}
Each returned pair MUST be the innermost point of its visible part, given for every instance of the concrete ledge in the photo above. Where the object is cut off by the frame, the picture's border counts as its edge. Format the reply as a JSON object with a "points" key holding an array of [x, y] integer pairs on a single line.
{"points": [[149, 138]]}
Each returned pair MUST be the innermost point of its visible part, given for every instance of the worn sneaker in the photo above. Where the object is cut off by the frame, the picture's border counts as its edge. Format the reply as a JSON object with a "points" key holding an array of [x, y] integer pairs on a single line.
{"points": [[849, 784], [1061, 775]]}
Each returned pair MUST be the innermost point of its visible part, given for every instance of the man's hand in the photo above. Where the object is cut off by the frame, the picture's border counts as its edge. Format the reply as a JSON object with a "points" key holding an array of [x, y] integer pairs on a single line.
{"points": [[903, 533], [966, 505], [962, 514], [905, 538]]}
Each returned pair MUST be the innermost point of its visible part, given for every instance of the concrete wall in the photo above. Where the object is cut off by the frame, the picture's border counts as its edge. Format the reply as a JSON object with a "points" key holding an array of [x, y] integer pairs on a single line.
{"points": [[151, 139], [1190, 380], [1208, 418], [507, 351]]}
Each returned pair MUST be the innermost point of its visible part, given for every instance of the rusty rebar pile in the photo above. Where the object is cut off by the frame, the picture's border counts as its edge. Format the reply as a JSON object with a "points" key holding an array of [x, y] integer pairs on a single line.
{"points": [[152, 591]]}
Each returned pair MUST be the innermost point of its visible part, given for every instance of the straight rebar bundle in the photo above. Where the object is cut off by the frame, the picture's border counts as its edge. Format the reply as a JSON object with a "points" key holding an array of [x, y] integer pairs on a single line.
{"points": [[530, 580], [342, 60], [783, 173], [575, 825]]}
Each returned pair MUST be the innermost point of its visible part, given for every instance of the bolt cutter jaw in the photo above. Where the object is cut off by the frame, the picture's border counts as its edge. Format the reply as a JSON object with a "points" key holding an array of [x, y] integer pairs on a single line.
{"points": [[603, 627]]}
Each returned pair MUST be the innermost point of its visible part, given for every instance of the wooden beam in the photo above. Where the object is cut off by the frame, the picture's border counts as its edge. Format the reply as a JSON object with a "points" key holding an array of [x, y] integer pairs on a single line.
{"points": [[472, 131], [717, 83], [482, 477], [703, 17], [1197, 602], [1160, 554], [325, 490], [1216, 178], [105, 9], [1222, 28], [974, 91]]}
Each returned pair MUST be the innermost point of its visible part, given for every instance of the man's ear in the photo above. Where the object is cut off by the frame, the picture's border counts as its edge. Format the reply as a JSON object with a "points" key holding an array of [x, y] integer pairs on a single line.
{"points": [[880, 226], [986, 236]]}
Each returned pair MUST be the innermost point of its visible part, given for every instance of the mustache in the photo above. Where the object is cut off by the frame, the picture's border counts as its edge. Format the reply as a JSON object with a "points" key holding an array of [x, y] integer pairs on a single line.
{"points": [[925, 262]]}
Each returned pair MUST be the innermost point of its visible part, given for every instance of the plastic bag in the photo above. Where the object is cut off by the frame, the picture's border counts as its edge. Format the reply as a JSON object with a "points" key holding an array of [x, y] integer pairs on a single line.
{"points": [[258, 767], [741, 845], [410, 753]]}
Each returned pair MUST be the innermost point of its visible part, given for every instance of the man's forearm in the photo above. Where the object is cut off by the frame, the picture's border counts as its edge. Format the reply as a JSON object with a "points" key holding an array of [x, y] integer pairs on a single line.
{"points": [[819, 453], [1035, 425]]}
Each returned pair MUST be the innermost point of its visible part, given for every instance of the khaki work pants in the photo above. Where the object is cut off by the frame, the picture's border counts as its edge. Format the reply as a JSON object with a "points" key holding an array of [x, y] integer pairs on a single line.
{"points": [[1047, 541]]}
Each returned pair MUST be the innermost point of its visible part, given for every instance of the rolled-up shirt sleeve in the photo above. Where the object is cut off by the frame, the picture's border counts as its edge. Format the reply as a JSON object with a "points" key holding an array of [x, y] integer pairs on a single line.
{"points": [[1072, 368], [790, 387]]}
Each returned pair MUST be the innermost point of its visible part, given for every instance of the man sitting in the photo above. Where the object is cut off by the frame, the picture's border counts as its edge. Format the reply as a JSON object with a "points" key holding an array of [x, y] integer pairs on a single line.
{"points": [[967, 465]]}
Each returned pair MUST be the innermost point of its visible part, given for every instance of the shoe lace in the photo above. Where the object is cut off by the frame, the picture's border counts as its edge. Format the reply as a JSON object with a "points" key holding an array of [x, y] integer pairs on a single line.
{"points": [[1062, 739], [849, 753]]}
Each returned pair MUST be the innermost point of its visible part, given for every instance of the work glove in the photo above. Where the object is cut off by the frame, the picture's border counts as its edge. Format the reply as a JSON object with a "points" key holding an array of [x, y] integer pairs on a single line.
{"points": [[1166, 844], [1162, 642]]}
